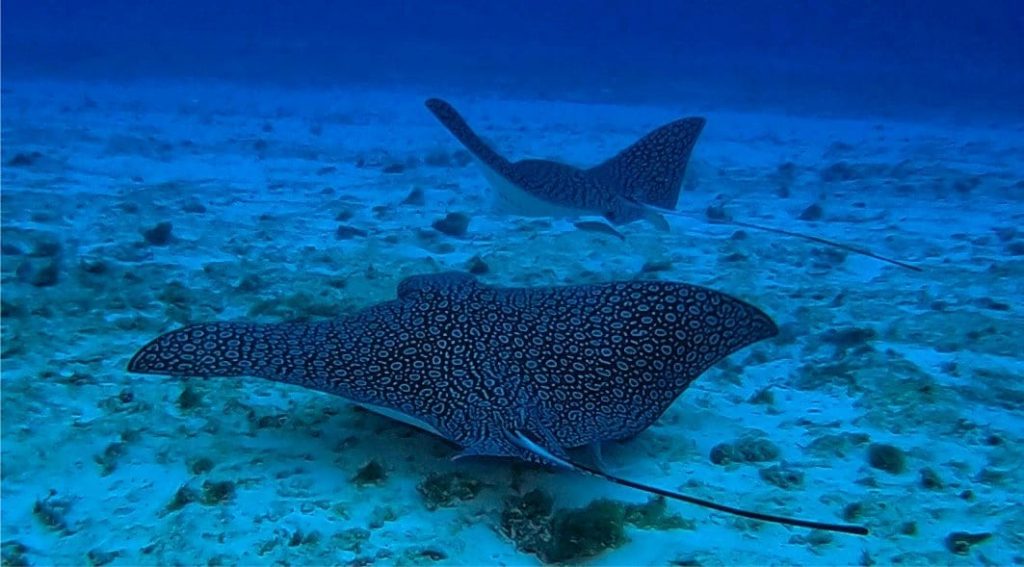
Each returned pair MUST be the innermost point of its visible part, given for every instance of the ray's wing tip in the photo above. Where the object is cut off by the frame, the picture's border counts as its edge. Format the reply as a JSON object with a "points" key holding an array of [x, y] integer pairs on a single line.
{"points": [[137, 363], [435, 104], [764, 326], [690, 124]]}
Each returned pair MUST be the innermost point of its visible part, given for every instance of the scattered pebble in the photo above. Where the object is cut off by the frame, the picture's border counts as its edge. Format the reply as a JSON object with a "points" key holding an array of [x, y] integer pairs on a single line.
{"points": [[24, 159], [784, 177], [848, 337], [744, 450], [813, 538], [415, 198], [429, 554], [372, 473], [215, 493], [716, 212], [382, 515], [351, 539], [47, 276], [443, 490], [201, 465], [1005, 233], [159, 235], [965, 185], [853, 511], [438, 158], [655, 266], [930, 479], [764, 396], [813, 212], [453, 224], [189, 398], [108, 459], [46, 248], [839, 171], [886, 457], [908, 528], [98, 557], [989, 303], [13, 554], [8, 249], [783, 476], [346, 232], [477, 266], [960, 543], [194, 207], [52, 512], [184, 496]]}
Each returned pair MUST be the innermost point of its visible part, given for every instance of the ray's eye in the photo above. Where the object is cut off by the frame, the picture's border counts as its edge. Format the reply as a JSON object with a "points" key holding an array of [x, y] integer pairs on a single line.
{"points": [[610, 216]]}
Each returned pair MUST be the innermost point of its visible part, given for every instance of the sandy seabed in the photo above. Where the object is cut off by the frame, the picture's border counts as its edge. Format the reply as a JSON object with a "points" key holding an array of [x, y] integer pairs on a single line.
{"points": [[891, 398]]}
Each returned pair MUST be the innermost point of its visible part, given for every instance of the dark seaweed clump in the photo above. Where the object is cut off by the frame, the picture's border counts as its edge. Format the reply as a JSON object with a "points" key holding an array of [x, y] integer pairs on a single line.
{"points": [[443, 490], [372, 473], [960, 543], [453, 224], [159, 235], [573, 535], [744, 450], [887, 458]]}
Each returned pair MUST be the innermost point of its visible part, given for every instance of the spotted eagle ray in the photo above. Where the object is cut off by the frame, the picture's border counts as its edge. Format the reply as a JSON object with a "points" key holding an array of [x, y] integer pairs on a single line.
{"points": [[642, 181], [526, 373]]}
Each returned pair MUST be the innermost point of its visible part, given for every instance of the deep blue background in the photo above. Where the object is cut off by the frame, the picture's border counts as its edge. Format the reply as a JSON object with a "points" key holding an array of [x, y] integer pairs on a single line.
{"points": [[966, 57]]}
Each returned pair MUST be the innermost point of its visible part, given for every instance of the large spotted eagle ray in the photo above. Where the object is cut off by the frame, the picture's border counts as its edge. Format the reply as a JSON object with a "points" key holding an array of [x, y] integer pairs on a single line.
{"points": [[526, 373], [642, 181]]}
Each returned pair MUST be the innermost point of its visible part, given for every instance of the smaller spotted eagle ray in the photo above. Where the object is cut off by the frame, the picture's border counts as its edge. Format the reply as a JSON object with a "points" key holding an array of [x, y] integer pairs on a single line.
{"points": [[642, 181], [526, 373]]}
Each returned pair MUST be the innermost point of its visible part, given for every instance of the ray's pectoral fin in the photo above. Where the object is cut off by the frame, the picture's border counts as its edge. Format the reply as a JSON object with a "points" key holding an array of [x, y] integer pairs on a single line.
{"points": [[652, 169], [457, 125]]}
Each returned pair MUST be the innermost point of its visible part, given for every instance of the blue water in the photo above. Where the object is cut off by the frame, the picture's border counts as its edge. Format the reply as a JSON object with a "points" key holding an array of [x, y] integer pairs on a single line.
{"points": [[825, 55], [169, 163]]}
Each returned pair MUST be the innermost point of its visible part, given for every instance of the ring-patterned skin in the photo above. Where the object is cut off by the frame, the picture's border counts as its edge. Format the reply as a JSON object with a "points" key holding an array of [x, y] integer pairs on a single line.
{"points": [[568, 366]]}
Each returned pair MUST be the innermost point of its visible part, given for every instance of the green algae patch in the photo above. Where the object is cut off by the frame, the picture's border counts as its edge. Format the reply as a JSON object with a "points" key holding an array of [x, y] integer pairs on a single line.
{"points": [[783, 476], [887, 457], [744, 450], [216, 493], [372, 473], [960, 543], [572, 535], [654, 516], [443, 490], [184, 496], [585, 532], [351, 539]]}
